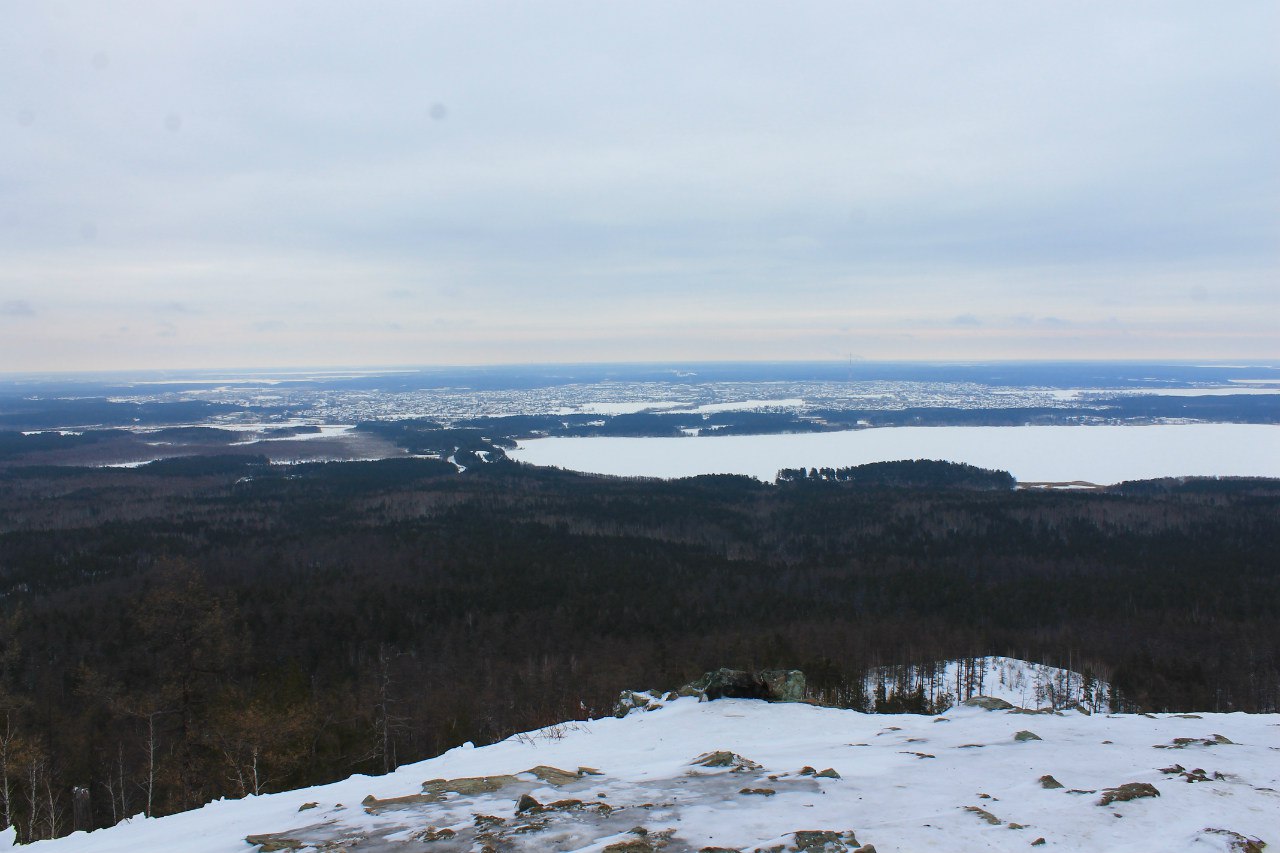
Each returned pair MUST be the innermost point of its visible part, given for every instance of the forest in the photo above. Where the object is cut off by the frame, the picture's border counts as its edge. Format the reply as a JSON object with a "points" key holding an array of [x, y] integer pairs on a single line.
{"points": [[219, 626]]}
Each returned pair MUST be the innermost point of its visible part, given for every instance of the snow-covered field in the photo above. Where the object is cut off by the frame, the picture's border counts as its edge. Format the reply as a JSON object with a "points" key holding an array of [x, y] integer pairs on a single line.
{"points": [[969, 780], [1097, 454]]}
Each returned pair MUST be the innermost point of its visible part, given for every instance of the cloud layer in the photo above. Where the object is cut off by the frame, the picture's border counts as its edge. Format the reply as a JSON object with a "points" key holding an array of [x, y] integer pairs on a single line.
{"points": [[239, 184]]}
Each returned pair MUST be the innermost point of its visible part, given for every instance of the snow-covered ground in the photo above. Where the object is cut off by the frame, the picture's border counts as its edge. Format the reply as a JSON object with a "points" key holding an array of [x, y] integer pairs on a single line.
{"points": [[965, 781], [1098, 454], [1019, 682]]}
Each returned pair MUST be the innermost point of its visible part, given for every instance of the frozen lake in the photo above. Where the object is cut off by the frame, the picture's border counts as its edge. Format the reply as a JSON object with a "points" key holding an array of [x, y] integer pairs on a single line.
{"points": [[1097, 454]]}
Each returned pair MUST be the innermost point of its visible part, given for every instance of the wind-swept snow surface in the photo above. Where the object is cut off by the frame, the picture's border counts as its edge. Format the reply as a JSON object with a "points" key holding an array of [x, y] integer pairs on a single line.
{"points": [[746, 775]]}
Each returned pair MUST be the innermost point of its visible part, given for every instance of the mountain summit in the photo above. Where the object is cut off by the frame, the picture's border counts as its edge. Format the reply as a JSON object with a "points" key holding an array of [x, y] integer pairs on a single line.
{"points": [[748, 775]]}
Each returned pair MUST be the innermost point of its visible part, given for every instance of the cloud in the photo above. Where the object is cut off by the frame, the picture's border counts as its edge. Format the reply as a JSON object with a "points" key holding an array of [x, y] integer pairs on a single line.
{"points": [[514, 166], [16, 308]]}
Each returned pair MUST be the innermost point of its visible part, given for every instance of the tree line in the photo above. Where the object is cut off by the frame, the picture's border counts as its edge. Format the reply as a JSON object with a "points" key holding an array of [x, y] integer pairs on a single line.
{"points": [[222, 627]]}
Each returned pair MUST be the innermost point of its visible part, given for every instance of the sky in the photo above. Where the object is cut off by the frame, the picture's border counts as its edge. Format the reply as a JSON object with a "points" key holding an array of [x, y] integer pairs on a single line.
{"points": [[235, 184]]}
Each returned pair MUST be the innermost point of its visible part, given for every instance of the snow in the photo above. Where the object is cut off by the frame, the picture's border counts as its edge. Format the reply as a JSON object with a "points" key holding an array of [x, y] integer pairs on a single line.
{"points": [[626, 407], [1019, 682], [907, 783], [1078, 394], [325, 431], [747, 405], [1097, 454], [629, 407]]}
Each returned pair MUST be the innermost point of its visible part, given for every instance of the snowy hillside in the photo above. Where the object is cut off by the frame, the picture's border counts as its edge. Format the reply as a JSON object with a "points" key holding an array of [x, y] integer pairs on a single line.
{"points": [[747, 775], [1027, 685]]}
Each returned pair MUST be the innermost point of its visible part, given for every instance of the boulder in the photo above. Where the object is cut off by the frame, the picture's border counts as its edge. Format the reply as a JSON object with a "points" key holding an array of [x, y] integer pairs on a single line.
{"points": [[725, 758], [772, 685], [785, 685], [987, 703]]}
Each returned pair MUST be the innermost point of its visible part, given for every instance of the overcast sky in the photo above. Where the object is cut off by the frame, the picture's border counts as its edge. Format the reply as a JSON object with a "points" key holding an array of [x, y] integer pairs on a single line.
{"points": [[319, 183]]}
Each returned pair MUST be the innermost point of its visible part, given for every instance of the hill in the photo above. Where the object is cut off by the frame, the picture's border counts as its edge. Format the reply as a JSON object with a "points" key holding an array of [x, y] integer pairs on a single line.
{"points": [[745, 775]]}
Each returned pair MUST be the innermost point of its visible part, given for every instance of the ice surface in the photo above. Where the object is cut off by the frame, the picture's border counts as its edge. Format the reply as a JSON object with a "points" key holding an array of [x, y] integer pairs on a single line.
{"points": [[1097, 454]]}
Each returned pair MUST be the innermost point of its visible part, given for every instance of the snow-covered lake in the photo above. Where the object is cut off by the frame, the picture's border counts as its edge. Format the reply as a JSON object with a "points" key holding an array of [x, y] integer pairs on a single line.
{"points": [[1097, 454]]}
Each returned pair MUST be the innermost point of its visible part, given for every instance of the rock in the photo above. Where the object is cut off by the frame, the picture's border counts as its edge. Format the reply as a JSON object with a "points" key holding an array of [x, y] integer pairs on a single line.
{"points": [[638, 845], [987, 703], [553, 775], [761, 792], [305, 806], [527, 803], [1024, 736], [785, 685], [724, 758], [274, 842], [1240, 843], [373, 805], [434, 790], [808, 771], [822, 841], [1127, 791], [1049, 782], [984, 814], [628, 701], [648, 842], [732, 684], [1039, 842], [772, 685], [564, 805], [829, 773]]}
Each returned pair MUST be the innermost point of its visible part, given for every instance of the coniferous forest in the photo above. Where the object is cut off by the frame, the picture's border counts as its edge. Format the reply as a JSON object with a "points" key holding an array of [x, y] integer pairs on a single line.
{"points": [[219, 627]]}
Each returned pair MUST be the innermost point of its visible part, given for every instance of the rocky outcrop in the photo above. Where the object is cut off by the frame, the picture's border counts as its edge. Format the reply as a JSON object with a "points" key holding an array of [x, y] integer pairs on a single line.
{"points": [[634, 700], [772, 685]]}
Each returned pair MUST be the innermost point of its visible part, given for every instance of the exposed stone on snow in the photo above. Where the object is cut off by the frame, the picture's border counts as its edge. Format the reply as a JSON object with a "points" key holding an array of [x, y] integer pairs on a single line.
{"points": [[1127, 791]]}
